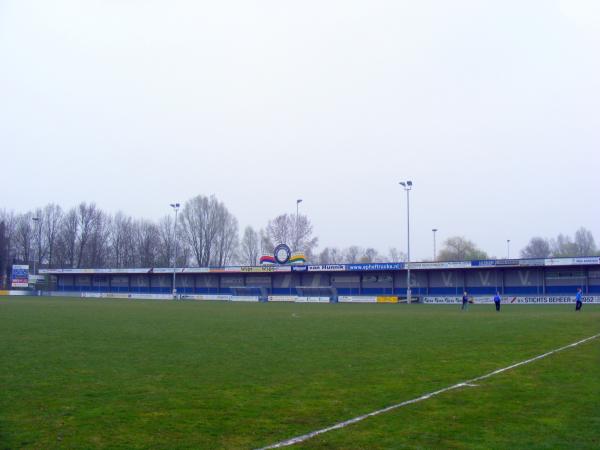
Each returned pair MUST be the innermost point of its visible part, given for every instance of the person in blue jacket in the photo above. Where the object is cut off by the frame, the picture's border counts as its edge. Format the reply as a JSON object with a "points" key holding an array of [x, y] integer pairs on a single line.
{"points": [[578, 302], [497, 300], [465, 301]]}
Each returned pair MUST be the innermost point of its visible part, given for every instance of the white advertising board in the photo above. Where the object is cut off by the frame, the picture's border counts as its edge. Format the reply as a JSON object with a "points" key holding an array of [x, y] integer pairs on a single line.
{"points": [[541, 299], [312, 300], [243, 298], [356, 299], [205, 297], [327, 268], [282, 298]]}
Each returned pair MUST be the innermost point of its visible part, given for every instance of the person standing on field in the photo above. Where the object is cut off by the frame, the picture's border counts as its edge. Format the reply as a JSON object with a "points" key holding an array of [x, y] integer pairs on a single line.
{"points": [[497, 300], [578, 302], [465, 301]]}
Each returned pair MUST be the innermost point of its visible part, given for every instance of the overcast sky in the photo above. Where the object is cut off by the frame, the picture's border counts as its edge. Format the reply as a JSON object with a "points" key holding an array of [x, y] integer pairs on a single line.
{"points": [[491, 108]]}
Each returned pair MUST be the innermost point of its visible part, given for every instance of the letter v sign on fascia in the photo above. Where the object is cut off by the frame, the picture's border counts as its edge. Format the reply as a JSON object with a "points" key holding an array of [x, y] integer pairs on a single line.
{"points": [[524, 276], [485, 278], [447, 277]]}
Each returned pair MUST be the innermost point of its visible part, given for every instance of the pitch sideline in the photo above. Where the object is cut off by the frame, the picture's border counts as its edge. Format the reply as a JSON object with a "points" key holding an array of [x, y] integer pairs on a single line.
{"points": [[466, 383]]}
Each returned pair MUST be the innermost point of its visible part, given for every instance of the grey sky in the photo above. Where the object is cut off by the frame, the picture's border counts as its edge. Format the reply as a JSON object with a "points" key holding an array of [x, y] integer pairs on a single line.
{"points": [[491, 108]]}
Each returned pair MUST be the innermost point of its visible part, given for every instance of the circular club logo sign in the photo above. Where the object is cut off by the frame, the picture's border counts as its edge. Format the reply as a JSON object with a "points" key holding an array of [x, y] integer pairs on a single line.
{"points": [[282, 253]]}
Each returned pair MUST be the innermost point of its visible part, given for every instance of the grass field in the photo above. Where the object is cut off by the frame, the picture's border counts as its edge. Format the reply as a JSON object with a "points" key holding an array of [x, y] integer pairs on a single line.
{"points": [[152, 374]]}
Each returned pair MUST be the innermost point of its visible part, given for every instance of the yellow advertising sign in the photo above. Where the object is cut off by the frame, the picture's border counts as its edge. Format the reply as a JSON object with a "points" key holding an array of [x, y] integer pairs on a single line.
{"points": [[387, 299]]}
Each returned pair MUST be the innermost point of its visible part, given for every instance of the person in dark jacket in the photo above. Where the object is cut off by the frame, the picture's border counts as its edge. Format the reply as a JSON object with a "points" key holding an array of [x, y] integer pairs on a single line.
{"points": [[578, 302], [497, 300], [465, 301]]}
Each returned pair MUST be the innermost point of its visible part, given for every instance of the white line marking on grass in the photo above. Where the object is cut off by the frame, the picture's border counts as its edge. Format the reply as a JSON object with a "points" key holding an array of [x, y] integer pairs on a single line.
{"points": [[337, 426]]}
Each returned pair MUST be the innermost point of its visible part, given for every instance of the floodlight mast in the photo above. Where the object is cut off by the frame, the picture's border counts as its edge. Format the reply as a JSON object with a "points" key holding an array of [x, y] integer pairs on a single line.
{"points": [[407, 185], [175, 206], [434, 252], [36, 220], [297, 205]]}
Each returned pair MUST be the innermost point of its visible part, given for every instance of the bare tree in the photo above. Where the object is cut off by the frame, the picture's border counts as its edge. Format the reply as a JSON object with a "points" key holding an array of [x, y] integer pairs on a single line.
{"points": [[98, 251], [250, 247], [166, 246], [209, 230], [396, 255], [584, 240], [226, 241], [563, 246], [87, 216], [51, 220], [296, 231], [537, 248], [67, 240], [122, 241], [352, 254], [24, 238], [147, 242], [369, 255], [460, 249], [336, 255], [266, 244]]}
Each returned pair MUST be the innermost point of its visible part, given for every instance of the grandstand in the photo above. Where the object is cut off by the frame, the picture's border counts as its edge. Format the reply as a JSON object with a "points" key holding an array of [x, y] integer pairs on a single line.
{"points": [[430, 281]]}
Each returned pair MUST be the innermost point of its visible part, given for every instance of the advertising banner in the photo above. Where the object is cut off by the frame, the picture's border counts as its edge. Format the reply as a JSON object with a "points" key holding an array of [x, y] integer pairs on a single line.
{"points": [[20, 276], [507, 262], [484, 263], [262, 269], [124, 295], [92, 271], [11, 293], [219, 297], [375, 266], [282, 298], [327, 268], [312, 300], [441, 265], [356, 299], [586, 261], [244, 298], [167, 270], [551, 299], [387, 299]]}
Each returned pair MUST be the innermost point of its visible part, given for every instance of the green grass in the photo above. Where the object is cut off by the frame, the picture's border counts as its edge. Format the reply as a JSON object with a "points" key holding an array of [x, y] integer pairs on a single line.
{"points": [[150, 374]]}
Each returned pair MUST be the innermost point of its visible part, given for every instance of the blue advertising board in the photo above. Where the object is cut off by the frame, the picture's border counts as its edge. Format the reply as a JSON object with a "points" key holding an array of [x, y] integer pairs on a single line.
{"points": [[20, 275], [375, 266]]}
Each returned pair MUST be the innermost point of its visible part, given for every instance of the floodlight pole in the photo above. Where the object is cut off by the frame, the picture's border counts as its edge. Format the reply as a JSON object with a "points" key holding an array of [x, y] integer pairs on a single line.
{"points": [[407, 185], [36, 220], [175, 206], [434, 252], [297, 209], [508, 249]]}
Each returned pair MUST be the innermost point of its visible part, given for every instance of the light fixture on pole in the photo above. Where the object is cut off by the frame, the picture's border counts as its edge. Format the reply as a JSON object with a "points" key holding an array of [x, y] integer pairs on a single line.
{"points": [[508, 249], [36, 220], [407, 185], [175, 206], [434, 252], [296, 249]]}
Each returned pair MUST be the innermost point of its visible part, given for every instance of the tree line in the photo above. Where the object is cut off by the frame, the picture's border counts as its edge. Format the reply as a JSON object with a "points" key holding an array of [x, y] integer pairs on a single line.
{"points": [[85, 236], [581, 244], [207, 234]]}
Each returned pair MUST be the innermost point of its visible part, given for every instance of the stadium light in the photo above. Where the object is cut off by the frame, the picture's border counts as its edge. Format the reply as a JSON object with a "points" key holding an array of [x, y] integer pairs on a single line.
{"points": [[36, 220], [434, 253], [175, 206], [407, 185], [508, 249]]}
